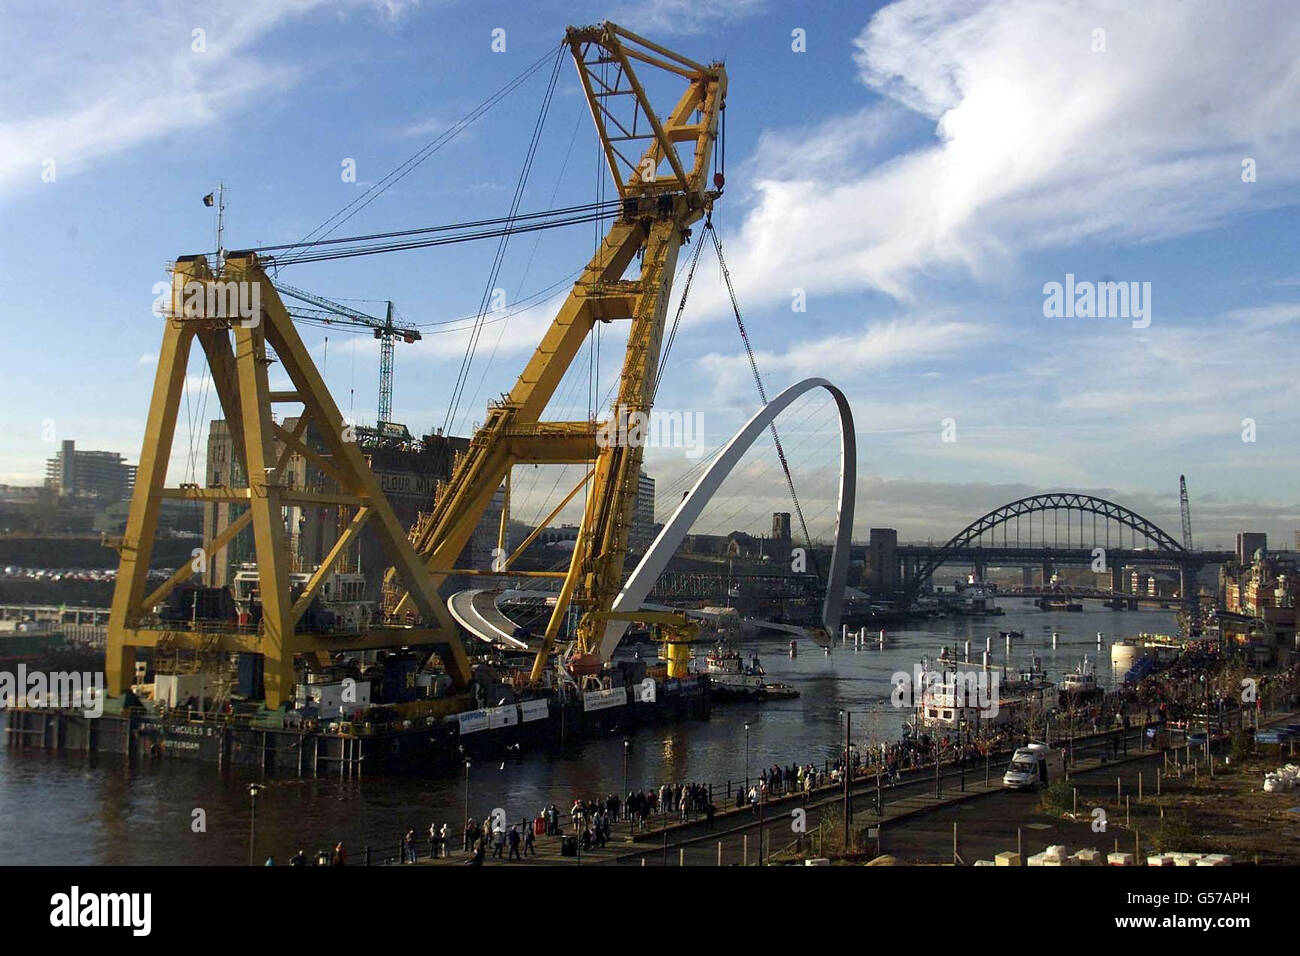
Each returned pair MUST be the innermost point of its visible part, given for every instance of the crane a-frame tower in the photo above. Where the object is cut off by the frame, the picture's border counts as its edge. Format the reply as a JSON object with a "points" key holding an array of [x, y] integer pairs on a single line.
{"points": [[664, 190]]}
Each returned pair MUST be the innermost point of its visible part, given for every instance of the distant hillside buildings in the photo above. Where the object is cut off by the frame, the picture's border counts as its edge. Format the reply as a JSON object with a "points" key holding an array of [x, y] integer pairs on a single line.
{"points": [[89, 474]]}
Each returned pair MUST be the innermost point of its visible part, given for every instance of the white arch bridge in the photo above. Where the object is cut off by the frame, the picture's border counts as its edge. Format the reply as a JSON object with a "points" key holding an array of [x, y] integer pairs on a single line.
{"points": [[476, 610]]}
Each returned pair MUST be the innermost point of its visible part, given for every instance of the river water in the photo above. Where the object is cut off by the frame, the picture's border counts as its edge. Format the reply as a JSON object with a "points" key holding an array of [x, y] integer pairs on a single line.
{"points": [[70, 809]]}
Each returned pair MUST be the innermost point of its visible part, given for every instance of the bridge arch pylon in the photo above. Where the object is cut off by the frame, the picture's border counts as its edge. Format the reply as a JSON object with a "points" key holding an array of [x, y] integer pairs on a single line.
{"points": [[656, 558]]}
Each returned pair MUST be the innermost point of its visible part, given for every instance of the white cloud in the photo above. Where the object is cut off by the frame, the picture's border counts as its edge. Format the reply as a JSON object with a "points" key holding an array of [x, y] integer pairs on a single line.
{"points": [[879, 345], [1037, 141], [100, 80]]}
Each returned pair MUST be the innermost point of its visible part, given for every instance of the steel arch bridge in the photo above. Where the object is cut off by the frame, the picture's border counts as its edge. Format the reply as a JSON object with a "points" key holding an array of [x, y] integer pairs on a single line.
{"points": [[1163, 544]]}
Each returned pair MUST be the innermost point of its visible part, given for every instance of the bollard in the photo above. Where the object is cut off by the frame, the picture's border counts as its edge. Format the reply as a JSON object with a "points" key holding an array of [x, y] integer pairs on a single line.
{"points": [[1076, 801], [1054, 640], [681, 856], [744, 850], [1020, 852], [719, 853]]}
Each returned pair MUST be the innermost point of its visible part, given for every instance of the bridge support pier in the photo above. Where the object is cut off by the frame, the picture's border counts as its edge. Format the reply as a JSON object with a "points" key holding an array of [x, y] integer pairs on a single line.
{"points": [[1116, 584]]}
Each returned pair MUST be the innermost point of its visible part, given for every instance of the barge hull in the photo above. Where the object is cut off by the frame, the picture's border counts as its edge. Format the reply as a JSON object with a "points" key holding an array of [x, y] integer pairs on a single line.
{"points": [[145, 737]]}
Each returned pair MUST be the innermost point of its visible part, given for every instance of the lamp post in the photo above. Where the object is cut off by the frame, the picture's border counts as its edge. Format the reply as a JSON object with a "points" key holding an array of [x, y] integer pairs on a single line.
{"points": [[467, 791], [627, 747], [253, 790], [846, 773], [746, 760]]}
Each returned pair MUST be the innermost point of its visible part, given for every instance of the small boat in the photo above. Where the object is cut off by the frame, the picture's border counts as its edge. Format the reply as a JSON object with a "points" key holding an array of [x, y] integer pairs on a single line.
{"points": [[734, 678], [1080, 684]]}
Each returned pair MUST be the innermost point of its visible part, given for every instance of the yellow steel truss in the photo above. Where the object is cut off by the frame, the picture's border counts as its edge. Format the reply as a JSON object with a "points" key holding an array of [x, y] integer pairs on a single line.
{"points": [[663, 195], [238, 352]]}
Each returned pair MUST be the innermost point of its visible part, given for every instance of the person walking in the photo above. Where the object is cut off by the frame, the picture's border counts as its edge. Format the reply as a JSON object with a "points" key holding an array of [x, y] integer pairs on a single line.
{"points": [[529, 841], [514, 844], [498, 842]]}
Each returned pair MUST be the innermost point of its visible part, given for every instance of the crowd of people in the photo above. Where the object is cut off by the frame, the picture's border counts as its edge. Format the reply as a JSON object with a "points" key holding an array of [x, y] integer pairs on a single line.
{"points": [[1172, 693]]}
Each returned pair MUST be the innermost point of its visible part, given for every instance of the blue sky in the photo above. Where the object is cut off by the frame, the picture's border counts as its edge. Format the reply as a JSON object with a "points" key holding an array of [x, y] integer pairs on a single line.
{"points": [[920, 172]]}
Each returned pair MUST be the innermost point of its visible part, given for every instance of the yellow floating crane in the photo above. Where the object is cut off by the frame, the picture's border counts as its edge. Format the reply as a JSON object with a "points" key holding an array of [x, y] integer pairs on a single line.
{"points": [[664, 191], [660, 168]]}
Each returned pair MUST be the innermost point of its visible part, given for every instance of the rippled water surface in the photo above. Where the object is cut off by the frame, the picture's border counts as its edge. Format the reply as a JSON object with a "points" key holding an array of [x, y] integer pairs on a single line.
{"points": [[67, 809]]}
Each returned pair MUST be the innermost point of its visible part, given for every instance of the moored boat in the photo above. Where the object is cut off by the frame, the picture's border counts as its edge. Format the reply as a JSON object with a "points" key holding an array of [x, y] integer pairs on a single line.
{"points": [[733, 678]]}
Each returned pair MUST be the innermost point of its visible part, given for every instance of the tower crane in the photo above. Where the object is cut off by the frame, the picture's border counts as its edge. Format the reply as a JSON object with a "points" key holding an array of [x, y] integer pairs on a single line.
{"points": [[336, 313]]}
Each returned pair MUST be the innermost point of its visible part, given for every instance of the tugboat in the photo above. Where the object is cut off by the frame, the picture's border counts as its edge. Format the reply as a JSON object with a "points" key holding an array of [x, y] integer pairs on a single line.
{"points": [[732, 678], [1080, 685]]}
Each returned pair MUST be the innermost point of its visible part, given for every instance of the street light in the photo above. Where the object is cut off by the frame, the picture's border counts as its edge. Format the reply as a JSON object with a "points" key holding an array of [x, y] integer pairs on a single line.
{"points": [[746, 760], [253, 790], [467, 791], [846, 773], [627, 747]]}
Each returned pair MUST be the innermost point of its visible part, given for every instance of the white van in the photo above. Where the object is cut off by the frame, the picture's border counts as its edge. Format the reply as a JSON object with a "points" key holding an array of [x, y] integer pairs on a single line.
{"points": [[1034, 766]]}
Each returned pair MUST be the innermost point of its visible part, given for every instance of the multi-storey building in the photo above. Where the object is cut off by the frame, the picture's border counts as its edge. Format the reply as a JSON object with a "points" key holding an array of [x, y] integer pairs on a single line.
{"points": [[89, 474]]}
